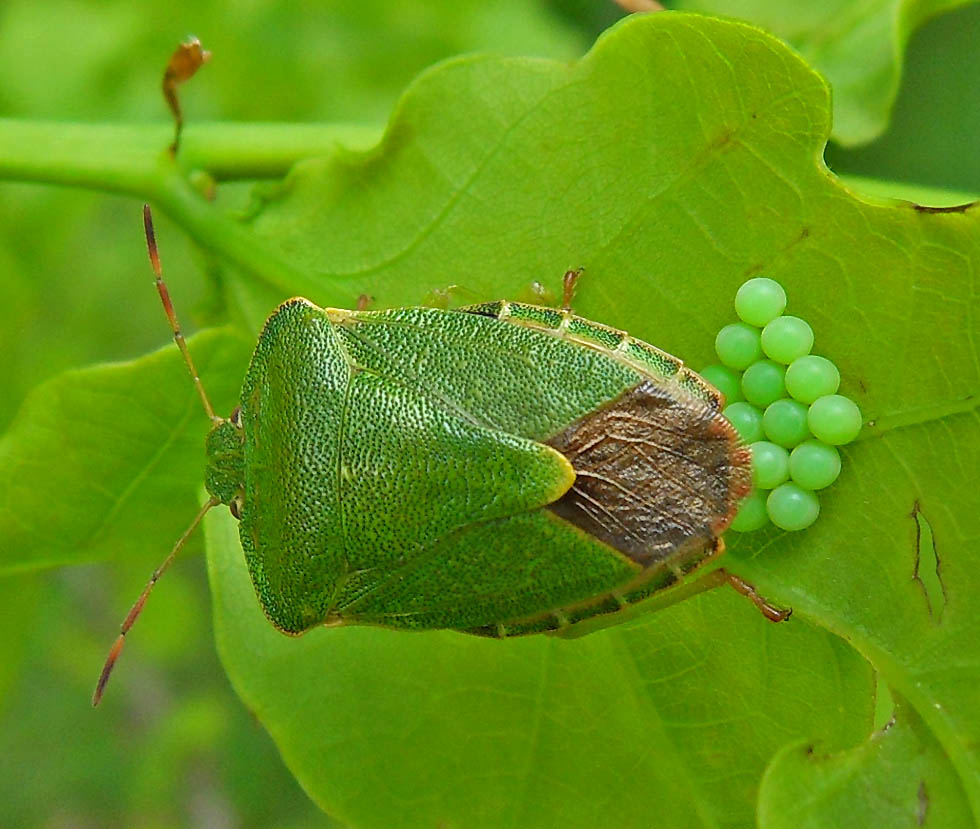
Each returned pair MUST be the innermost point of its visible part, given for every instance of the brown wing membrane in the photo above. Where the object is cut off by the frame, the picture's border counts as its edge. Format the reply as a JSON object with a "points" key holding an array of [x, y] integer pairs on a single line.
{"points": [[654, 473]]}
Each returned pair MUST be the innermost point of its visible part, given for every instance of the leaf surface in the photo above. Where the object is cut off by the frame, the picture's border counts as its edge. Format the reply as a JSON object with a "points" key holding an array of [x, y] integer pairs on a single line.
{"points": [[678, 158], [899, 777], [110, 457], [675, 716], [675, 160], [859, 48]]}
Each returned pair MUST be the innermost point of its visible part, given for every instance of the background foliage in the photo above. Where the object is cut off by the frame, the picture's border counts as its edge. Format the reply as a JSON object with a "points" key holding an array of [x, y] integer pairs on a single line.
{"points": [[174, 744]]}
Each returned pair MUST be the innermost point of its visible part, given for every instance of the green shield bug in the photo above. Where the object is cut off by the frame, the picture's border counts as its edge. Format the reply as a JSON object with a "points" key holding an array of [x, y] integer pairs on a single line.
{"points": [[501, 469]]}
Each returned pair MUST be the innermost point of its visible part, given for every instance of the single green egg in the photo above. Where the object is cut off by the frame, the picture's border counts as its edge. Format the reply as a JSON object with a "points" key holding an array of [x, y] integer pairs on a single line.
{"points": [[760, 301], [787, 338], [834, 419], [792, 508]]}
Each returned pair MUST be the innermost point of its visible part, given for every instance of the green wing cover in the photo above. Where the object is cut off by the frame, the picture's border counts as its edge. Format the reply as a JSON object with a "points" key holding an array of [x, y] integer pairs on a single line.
{"points": [[395, 471]]}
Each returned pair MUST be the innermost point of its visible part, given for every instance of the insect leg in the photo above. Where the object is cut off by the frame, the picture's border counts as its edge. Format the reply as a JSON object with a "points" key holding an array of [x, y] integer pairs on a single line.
{"points": [[770, 611], [568, 287]]}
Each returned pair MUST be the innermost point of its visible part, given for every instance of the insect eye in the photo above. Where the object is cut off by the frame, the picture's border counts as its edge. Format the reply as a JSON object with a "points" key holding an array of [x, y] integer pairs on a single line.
{"points": [[235, 507], [236, 417]]}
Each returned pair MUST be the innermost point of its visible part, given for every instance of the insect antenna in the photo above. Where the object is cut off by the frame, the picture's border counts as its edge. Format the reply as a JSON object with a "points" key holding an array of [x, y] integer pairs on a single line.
{"points": [[168, 307], [137, 607]]}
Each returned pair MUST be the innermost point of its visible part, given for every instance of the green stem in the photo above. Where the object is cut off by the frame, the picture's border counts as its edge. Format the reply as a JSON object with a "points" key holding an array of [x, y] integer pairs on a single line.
{"points": [[133, 160], [119, 158], [111, 159], [232, 152], [229, 239]]}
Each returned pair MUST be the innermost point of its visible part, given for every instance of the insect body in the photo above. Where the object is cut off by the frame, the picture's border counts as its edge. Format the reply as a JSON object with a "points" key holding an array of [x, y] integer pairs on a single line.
{"points": [[501, 469]]}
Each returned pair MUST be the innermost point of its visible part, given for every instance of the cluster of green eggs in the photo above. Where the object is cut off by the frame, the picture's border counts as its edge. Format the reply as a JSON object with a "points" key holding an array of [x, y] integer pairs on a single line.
{"points": [[783, 402]]}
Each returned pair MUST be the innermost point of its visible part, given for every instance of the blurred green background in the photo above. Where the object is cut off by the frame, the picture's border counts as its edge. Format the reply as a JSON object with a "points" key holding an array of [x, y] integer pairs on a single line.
{"points": [[174, 745]]}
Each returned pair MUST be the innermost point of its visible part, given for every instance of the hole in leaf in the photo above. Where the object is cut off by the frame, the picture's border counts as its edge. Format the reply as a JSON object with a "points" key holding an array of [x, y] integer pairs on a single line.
{"points": [[927, 564]]}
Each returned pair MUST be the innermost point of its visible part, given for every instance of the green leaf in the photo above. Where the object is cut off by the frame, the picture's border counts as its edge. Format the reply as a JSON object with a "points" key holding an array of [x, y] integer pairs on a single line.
{"points": [[858, 47], [674, 716], [931, 133], [675, 160], [900, 777], [109, 458]]}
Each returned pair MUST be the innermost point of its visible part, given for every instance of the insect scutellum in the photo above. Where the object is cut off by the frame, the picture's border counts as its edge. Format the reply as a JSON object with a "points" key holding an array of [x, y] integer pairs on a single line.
{"points": [[224, 451]]}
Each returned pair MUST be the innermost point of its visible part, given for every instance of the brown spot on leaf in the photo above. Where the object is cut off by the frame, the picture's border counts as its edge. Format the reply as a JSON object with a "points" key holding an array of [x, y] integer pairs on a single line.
{"points": [[723, 137]]}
